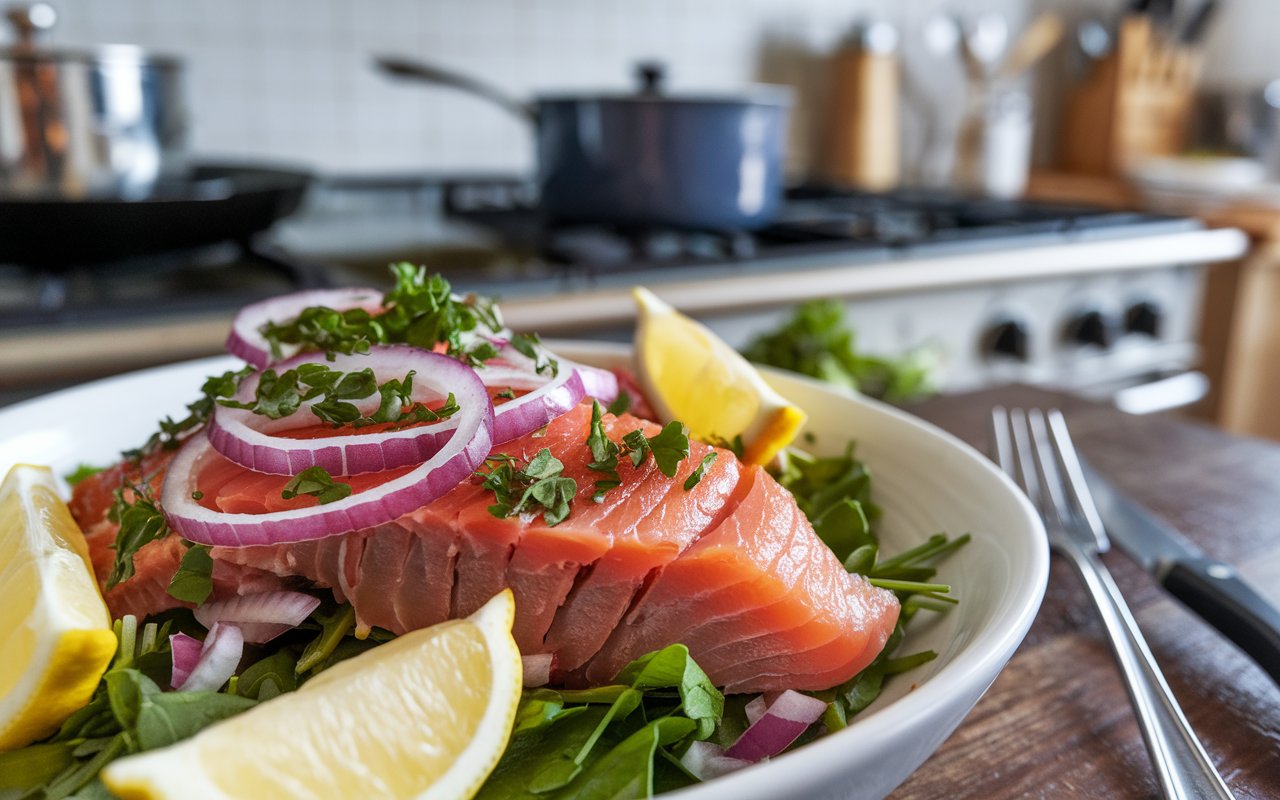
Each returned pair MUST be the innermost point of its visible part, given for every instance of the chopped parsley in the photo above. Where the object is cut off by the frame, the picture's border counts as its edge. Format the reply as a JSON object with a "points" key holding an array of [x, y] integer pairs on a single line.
{"points": [[140, 521], [279, 395], [318, 483], [171, 433], [530, 346], [621, 404], [696, 476], [522, 489], [669, 447], [506, 394], [420, 310]]}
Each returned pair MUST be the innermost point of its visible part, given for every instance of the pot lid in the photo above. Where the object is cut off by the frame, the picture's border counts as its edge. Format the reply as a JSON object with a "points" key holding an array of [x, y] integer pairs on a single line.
{"points": [[651, 77], [32, 24]]}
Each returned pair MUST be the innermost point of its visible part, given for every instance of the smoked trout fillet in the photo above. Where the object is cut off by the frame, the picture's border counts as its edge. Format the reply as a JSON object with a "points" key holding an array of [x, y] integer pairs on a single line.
{"points": [[729, 567]]}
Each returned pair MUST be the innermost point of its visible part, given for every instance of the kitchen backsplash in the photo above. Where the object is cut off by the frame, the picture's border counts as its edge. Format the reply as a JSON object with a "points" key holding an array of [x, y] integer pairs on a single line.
{"points": [[293, 79]]}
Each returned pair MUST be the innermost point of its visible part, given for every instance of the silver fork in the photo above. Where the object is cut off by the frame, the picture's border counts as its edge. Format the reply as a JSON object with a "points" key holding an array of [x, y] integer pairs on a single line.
{"points": [[1034, 448]]}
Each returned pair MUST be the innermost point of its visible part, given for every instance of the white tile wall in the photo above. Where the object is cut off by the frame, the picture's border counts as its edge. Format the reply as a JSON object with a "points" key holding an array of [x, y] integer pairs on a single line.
{"points": [[292, 79]]}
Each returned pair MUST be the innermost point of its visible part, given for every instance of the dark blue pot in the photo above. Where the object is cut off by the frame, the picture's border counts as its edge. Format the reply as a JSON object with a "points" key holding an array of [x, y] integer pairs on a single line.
{"points": [[708, 163]]}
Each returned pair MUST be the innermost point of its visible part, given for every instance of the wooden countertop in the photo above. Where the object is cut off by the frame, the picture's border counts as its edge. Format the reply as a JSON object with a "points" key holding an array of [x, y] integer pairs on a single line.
{"points": [[1057, 722]]}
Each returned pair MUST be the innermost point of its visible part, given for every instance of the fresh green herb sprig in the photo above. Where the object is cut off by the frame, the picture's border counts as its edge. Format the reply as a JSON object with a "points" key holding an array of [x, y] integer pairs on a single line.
{"points": [[279, 395], [318, 483], [518, 489], [668, 447], [816, 341], [80, 473], [420, 310], [140, 521], [172, 433]]}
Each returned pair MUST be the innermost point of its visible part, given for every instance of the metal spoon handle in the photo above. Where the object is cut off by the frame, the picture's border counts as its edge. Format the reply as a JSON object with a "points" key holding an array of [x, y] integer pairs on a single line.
{"points": [[1181, 764]]}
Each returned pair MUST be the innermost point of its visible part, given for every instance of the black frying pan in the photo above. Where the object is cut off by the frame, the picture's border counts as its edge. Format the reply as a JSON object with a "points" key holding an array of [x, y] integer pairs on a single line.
{"points": [[213, 203]]}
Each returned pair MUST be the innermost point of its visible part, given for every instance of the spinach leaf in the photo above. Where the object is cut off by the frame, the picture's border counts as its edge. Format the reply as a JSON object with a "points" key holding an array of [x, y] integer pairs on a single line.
{"points": [[193, 581], [670, 667]]}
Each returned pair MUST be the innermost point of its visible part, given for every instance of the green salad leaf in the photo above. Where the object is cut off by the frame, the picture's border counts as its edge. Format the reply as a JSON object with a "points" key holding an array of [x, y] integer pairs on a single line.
{"points": [[817, 341]]}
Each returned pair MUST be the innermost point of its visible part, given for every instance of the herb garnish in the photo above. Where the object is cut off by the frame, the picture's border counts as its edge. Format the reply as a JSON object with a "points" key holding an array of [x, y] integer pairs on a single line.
{"points": [[279, 395], [669, 447], [193, 582], [530, 346], [317, 482], [420, 310], [517, 489], [172, 433], [140, 521], [696, 476]]}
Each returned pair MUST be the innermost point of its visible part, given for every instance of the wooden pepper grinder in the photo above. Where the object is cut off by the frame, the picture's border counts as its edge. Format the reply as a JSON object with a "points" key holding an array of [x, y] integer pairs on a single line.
{"points": [[864, 129]]}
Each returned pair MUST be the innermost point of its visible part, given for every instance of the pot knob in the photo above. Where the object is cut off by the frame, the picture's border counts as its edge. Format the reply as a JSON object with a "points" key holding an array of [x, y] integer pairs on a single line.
{"points": [[1090, 327], [651, 74], [1009, 339]]}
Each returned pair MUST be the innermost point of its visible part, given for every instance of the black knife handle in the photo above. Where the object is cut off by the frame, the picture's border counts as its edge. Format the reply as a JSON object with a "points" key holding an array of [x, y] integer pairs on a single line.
{"points": [[1217, 593]]}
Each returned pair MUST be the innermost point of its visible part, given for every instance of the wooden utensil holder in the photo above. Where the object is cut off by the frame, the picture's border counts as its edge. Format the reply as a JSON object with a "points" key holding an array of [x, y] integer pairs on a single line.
{"points": [[1135, 103]]}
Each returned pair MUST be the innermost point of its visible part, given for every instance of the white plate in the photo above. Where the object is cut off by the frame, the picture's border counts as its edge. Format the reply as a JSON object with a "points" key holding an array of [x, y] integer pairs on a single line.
{"points": [[926, 480]]}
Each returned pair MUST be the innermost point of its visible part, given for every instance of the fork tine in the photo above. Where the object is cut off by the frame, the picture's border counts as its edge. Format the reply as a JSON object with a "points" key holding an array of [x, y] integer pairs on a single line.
{"points": [[998, 442], [1042, 447], [1075, 482], [1026, 473]]}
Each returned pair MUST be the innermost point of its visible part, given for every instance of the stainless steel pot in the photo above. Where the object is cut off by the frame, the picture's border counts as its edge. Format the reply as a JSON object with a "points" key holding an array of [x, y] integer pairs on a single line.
{"points": [[93, 122]]}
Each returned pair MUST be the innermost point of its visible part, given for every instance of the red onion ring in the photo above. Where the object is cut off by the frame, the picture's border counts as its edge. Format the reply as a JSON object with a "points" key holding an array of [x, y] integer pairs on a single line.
{"points": [[186, 654], [528, 412], [785, 718], [249, 439], [598, 383], [460, 455], [246, 339], [260, 617], [219, 656]]}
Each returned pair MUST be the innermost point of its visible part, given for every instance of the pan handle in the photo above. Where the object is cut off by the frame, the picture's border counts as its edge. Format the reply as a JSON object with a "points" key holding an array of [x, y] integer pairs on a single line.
{"points": [[412, 69]]}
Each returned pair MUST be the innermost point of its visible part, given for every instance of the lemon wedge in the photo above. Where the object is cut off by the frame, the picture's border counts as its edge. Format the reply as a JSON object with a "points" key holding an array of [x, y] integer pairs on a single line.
{"points": [[692, 375], [55, 632], [426, 715]]}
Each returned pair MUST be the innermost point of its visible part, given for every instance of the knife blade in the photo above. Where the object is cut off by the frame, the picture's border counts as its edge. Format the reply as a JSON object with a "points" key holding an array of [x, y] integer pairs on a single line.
{"points": [[1211, 588]]}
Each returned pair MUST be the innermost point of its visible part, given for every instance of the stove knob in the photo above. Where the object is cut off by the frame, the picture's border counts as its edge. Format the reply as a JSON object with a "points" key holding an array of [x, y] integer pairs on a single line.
{"points": [[1090, 328], [1008, 339], [1144, 317]]}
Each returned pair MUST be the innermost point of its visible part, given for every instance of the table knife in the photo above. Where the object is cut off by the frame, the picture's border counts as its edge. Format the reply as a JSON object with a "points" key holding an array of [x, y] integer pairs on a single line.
{"points": [[1209, 587]]}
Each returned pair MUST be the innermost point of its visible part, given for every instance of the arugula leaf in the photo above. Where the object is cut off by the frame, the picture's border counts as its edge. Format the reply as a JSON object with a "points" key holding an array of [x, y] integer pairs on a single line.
{"points": [[695, 477], [672, 666], [140, 521], [816, 341], [193, 581], [317, 482]]}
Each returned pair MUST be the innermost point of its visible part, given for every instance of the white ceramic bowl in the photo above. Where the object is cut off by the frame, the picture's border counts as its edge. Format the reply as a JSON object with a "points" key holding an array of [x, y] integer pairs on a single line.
{"points": [[926, 480]]}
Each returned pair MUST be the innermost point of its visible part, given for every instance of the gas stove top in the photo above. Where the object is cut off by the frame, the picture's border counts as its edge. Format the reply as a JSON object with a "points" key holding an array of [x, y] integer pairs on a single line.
{"points": [[814, 221]]}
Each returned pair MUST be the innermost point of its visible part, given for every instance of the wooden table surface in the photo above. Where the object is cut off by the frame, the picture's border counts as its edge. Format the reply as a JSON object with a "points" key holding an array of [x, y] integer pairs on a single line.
{"points": [[1057, 722]]}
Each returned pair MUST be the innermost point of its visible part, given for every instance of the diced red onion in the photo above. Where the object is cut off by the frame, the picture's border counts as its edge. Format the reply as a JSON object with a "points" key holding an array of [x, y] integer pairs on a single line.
{"points": [[246, 339], [219, 656], [465, 450], [785, 718], [252, 441], [186, 653], [260, 617], [537, 669], [755, 709], [707, 760]]}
